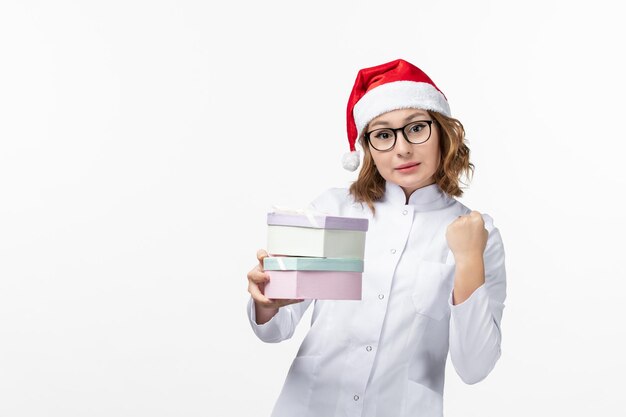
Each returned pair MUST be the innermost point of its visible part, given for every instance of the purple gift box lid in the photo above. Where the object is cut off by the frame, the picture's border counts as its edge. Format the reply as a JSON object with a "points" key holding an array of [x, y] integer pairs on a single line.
{"points": [[317, 221]]}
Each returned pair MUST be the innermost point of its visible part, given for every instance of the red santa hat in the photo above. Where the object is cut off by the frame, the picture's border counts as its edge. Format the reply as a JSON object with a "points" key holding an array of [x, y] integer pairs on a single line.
{"points": [[394, 85]]}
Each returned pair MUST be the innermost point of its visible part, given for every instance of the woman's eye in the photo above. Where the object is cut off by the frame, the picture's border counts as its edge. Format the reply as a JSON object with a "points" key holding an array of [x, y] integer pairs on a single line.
{"points": [[417, 128], [382, 135]]}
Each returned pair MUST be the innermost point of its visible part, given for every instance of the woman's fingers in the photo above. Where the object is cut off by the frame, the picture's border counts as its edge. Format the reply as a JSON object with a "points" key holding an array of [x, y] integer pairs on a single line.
{"points": [[287, 302], [260, 254], [279, 302], [258, 276], [258, 297], [263, 301]]}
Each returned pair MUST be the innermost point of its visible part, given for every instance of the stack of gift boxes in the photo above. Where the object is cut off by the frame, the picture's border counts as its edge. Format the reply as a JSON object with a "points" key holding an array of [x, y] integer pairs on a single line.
{"points": [[314, 256]]}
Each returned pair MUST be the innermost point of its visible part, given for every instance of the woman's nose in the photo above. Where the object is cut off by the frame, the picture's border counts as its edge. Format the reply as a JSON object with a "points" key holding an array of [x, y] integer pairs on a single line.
{"points": [[403, 147]]}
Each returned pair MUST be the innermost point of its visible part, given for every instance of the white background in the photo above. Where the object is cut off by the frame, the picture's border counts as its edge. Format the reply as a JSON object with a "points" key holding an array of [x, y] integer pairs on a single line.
{"points": [[142, 143]]}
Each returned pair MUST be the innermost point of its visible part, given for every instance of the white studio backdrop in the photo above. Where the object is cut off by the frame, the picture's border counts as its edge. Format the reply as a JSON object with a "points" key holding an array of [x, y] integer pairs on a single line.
{"points": [[143, 142]]}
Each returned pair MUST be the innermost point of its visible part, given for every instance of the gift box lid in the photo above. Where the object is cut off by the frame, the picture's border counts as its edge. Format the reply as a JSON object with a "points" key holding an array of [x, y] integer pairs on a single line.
{"points": [[316, 221], [295, 263]]}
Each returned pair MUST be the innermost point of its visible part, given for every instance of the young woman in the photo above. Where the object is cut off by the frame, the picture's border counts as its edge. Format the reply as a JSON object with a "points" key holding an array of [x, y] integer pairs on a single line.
{"points": [[434, 279]]}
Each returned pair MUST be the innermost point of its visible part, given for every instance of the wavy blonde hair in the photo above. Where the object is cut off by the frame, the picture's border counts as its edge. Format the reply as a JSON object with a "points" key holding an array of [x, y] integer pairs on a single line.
{"points": [[369, 187]]}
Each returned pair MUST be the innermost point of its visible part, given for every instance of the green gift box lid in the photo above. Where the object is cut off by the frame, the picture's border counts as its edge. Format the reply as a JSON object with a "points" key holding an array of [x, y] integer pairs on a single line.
{"points": [[294, 263]]}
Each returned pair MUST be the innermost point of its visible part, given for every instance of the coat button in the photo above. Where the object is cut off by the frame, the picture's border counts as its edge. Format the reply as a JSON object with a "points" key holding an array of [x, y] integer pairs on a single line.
{"points": [[381, 296], [393, 251], [356, 398], [369, 348], [405, 212]]}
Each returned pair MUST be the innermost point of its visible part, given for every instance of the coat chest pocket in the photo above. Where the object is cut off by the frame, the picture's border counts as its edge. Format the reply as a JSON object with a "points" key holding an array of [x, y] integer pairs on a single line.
{"points": [[433, 283]]}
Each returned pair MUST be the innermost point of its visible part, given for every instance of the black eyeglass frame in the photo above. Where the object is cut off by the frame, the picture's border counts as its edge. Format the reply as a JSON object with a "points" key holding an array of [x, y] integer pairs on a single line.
{"points": [[395, 135]]}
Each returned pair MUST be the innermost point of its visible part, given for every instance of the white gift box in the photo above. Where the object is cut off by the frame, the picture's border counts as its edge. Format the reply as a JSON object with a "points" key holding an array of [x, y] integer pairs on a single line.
{"points": [[319, 235]]}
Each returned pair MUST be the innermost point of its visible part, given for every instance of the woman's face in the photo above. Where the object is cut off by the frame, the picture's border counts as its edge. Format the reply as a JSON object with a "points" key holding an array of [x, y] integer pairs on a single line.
{"points": [[422, 159]]}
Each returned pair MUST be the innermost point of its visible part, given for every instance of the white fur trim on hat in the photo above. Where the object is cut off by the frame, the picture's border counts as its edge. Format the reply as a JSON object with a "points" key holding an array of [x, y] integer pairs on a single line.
{"points": [[398, 95], [351, 160]]}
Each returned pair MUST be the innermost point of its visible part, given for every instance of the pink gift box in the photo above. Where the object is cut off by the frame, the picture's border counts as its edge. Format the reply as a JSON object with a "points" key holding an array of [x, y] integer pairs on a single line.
{"points": [[320, 285]]}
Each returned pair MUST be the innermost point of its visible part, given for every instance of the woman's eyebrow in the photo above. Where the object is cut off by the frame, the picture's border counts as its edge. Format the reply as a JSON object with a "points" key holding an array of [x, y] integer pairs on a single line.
{"points": [[384, 123]]}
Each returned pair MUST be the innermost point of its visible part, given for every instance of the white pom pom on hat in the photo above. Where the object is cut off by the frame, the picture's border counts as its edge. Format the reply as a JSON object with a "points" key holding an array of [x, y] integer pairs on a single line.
{"points": [[351, 160], [394, 85]]}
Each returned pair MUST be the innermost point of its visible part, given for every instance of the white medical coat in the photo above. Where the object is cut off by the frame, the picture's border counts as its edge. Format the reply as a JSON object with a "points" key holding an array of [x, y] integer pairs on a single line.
{"points": [[385, 355]]}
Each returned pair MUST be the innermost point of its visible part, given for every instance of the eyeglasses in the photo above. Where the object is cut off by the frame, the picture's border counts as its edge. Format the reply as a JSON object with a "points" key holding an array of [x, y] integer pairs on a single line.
{"points": [[384, 139]]}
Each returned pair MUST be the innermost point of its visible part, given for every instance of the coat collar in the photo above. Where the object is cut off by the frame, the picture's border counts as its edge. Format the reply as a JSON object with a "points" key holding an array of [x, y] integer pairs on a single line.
{"points": [[430, 197]]}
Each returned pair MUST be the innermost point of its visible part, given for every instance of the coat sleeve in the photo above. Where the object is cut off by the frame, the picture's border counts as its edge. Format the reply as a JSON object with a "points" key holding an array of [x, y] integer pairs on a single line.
{"points": [[475, 332], [280, 327], [283, 325]]}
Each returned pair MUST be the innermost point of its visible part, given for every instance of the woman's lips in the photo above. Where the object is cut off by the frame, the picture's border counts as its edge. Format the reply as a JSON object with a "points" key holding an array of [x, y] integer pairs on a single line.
{"points": [[408, 168]]}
